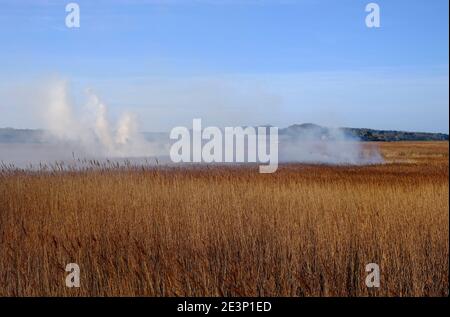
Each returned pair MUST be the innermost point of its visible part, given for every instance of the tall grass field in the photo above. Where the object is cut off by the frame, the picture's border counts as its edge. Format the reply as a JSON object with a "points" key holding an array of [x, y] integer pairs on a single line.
{"points": [[306, 230]]}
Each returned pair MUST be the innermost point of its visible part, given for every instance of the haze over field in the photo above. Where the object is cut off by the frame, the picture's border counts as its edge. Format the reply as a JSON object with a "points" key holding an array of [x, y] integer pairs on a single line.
{"points": [[74, 130], [91, 134]]}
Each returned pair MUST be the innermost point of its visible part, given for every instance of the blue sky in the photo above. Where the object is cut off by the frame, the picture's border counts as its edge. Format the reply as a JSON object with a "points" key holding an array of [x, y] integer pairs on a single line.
{"points": [[234, 62]]}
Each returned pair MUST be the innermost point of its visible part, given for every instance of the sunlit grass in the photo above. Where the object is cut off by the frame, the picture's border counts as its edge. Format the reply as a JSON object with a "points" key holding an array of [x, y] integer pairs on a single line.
{"points": [[303, 231]]}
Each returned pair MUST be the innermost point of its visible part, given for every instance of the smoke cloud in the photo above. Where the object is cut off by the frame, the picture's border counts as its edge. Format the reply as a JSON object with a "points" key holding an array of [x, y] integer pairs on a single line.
{"points": [[85, 130], [91, 131], [309, 143]]}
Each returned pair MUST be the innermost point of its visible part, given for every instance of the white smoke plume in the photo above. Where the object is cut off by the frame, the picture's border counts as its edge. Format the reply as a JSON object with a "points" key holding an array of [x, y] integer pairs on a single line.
{"points": [[91, 131]]}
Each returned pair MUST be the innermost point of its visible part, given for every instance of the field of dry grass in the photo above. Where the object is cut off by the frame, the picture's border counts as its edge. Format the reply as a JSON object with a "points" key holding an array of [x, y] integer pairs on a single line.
{"points": [[303, 231]]}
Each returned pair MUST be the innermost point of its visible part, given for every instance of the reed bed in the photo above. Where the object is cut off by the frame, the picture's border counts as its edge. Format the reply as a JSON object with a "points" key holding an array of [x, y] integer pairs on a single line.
{"points": [[306, 230]]}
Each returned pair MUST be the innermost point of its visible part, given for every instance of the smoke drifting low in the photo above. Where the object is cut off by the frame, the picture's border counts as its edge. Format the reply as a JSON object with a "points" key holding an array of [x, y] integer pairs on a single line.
{"points": [[86, 131], [309, 143]]}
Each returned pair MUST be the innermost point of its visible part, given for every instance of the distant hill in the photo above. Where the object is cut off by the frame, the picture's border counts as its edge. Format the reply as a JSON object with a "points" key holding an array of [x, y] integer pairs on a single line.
{"points": [[299, 130], [390, 136], [10, 135]]}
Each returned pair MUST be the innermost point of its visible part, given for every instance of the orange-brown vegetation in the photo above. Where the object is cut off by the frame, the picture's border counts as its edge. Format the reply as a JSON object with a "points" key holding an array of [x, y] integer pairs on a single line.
{"points": [[303, 231]]}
